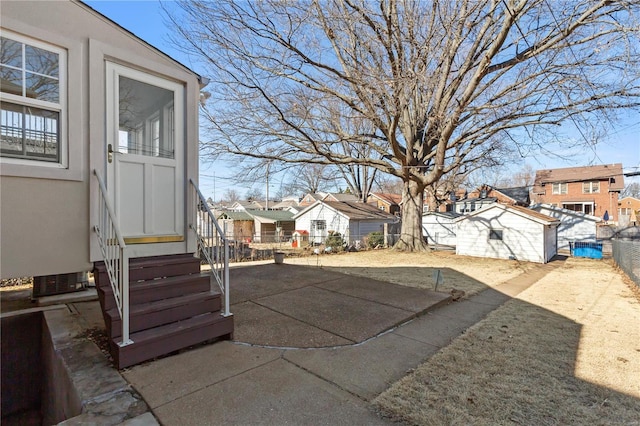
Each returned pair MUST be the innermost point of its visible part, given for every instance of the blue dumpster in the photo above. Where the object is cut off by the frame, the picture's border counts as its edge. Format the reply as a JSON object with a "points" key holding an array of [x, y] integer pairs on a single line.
{"points": [[586, 249]]}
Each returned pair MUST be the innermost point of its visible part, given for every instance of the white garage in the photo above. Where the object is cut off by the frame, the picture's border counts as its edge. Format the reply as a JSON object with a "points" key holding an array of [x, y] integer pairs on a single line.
{"points": [[439, 228], [507, 232]]}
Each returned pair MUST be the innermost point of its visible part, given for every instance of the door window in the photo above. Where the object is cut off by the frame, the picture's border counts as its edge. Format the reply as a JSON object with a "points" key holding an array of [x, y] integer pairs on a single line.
{"points": [[145, 119]]}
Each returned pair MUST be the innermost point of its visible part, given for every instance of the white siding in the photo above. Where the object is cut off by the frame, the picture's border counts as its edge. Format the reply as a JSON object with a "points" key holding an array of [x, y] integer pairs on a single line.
{"points": [[438, 229], [551, 243], [351, 230], [523, 238], [367, 227], [572, 227], [334, 220], [44, 209]]}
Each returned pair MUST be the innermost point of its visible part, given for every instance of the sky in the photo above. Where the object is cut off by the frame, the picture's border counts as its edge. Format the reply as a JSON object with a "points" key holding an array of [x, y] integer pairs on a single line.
{"points": [[145, 20]]}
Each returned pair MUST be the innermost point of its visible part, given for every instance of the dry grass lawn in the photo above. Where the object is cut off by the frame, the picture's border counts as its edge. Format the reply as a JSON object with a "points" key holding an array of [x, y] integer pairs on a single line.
{"points": [[565, 351], [468, 274]]}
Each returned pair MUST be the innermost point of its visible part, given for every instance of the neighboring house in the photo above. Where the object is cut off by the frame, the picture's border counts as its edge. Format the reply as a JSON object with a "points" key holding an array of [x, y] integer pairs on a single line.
{"points": [[237, 225], [83, 99], [243, 205], [469, 205], [574, 226], [389, 203], [486, 195], [507, 232], [442, 202], [592, 190], [311, 198], [517, 196], [439, 228], [629, 211], [284, 204], [260, 226], [352, 220], [272, 225]]}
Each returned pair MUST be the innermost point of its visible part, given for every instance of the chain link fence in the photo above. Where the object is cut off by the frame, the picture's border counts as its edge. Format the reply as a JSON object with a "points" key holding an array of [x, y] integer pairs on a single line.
{"points": [[626, 254]]}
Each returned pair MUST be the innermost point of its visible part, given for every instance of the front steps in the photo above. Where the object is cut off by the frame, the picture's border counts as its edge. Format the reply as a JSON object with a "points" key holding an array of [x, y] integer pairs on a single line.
{"points": [[171, 308]]}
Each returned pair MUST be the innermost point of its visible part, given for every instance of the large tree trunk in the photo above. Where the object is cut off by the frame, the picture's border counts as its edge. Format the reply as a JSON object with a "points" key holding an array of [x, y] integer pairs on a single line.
{"points": [[411, 238]]}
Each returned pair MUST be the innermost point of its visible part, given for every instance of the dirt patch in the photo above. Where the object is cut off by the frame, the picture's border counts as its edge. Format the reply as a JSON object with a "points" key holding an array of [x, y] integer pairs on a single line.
{"points": [[565, 351]]}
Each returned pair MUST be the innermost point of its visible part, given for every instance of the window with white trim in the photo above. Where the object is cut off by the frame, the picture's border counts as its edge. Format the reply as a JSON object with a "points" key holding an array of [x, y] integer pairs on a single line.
{"points": [[591, 187], [559, 188], [32, 110]]}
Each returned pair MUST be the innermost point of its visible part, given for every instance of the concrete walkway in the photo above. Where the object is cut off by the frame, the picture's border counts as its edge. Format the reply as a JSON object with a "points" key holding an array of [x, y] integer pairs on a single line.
{"points": [[256, 383]]}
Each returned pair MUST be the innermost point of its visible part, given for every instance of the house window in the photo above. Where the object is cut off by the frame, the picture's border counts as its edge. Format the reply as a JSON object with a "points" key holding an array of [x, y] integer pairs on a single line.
{"points": [[559, 188], [586, 208], [319, 225], [495, 234], [31, 112], [591, 187]]}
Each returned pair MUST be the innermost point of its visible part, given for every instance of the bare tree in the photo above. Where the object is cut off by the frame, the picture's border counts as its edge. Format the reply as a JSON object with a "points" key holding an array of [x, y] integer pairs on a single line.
{"points": [[254, 194], [231, 196], [388, 184], [441, 84], [631, 190], [311, 178]]}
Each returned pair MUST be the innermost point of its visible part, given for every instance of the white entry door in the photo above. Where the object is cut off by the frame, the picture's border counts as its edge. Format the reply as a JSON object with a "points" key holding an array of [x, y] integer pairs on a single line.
{"points": [[145, 149]]}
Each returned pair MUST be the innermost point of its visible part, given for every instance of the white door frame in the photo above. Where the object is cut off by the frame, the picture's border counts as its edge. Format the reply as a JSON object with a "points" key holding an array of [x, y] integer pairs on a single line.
{"points": [[151, 206]]}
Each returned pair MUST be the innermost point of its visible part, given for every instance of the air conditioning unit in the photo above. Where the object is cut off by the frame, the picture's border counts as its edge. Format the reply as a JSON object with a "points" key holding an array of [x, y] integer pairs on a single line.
{"points": [[48, 285]]}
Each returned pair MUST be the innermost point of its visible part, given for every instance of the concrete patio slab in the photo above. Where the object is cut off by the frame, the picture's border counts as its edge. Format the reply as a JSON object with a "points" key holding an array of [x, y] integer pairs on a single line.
{"points": [[251, 282], [412, 299], [276, 393], [349, 317], [367, 369], [168, 379], [258, 325]]}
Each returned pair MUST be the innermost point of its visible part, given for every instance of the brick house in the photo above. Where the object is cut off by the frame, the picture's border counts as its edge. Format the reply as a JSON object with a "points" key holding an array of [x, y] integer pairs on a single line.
{"points": [[486, 195], [592, 190], [386, 202], [626, 209]]}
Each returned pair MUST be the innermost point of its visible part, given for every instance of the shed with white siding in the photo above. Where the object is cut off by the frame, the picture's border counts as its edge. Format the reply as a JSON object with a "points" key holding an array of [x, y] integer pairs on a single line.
{"points": [[507, 232], [352, 220], [574, 226], [439, 228]]}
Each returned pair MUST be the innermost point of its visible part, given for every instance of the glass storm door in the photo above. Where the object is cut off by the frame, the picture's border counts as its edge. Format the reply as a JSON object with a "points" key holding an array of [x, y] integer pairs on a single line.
{"points": [[145, 148]]}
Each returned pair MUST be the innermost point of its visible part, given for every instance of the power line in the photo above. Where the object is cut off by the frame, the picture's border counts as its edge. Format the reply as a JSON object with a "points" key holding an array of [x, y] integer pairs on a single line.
{"points": [[555, 91]]}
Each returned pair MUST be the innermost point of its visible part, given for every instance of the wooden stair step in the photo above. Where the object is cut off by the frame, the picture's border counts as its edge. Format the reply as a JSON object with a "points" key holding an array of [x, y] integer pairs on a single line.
{"points": [[146, 268], [163, 340], [160, 312], [162, 288]]}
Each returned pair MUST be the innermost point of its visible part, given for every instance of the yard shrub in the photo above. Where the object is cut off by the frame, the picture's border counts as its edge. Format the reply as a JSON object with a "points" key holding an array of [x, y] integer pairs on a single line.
{"points": [[375, 239], [335, 241]]}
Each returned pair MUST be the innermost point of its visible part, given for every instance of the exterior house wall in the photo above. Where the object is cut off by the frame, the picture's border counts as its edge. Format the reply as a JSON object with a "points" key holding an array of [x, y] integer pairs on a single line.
{"points": [[351, 229], [626, 207], [361, 228], [573, 226], [334, 222], [522, 238], [604, 201], [610, 181], [439, 229], [491, 193], [47, 212]]}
